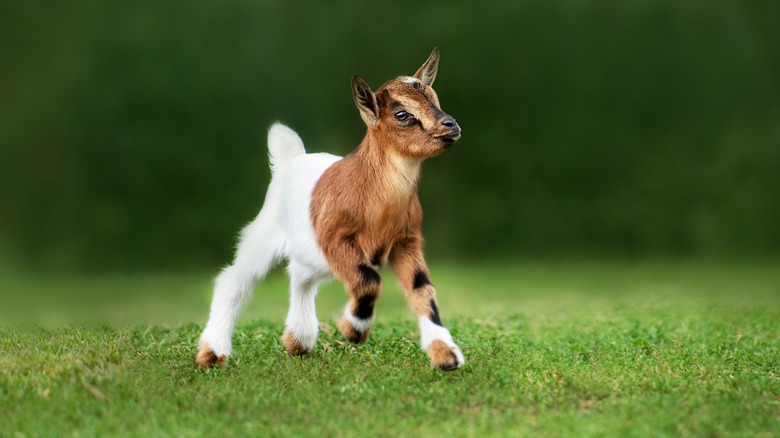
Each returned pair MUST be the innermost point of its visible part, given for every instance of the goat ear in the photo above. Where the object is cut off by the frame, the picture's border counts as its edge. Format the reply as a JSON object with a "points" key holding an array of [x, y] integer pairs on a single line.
{"points": [[365, 100], [427, 73]]}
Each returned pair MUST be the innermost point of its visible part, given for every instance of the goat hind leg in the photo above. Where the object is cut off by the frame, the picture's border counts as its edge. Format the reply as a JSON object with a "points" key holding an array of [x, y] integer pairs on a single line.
{"points": [[257, 252], [232, 287], [302, 326]]}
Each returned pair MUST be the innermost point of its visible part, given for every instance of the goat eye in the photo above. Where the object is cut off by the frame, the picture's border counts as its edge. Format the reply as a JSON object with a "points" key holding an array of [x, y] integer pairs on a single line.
{"points": [[402, 115]]}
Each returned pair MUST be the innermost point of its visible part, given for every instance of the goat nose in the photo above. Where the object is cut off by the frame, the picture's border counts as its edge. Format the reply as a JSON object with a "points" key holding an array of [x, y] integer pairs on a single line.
{"points": [[450, 123]]}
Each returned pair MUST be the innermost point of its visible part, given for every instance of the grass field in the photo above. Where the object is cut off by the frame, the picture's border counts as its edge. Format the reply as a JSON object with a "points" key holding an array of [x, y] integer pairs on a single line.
{"points": [[552, 349]]}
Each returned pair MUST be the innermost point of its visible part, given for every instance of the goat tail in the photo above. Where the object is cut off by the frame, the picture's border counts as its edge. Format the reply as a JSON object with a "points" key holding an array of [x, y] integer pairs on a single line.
{"points": [[284, 144]]}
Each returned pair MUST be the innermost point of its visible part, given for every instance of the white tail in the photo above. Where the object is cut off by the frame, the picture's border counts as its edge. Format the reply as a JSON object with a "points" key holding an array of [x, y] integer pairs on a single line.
{"points": [[284, 144]]}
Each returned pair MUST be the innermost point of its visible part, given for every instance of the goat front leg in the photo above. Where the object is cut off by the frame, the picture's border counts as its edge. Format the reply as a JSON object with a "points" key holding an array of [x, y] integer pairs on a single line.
{"points": [[364, 285], [409, 266]]}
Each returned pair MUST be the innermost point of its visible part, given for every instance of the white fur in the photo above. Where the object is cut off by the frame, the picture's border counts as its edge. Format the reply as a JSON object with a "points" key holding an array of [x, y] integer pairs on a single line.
{"points": [[302, 316], [361, 325], [260, 248], [282, 229], [297, 181], [430, 332], [284, 144]]}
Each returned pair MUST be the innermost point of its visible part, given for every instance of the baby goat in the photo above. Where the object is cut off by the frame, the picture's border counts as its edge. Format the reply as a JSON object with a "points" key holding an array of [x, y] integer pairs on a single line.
{"points": [[342, 217]]}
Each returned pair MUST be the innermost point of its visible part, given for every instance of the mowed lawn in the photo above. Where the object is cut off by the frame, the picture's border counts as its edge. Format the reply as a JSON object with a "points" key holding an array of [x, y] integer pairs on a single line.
{"points": [[553, 349]]}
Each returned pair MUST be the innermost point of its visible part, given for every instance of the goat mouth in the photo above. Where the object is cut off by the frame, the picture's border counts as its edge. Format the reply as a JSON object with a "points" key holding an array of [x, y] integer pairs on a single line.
{"points": [[448, 139]]}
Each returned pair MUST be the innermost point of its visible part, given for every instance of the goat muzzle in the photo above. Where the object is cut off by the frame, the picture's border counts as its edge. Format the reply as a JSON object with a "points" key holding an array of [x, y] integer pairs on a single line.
{"points": [[452, 135]]}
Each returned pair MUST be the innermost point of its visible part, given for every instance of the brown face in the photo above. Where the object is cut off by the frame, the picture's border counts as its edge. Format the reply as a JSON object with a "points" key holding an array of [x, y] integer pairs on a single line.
{"points": [[406, 113], [409, 112]]}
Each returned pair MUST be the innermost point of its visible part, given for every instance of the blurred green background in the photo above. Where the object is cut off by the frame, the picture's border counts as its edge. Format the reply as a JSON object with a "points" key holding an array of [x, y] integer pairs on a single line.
{"points": [[132, 135]]}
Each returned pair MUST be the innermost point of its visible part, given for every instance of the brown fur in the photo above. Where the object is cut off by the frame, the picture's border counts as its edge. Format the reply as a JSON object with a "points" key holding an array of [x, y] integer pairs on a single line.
{"points": [[367, 204], [349, 332], [294, 348], [406, 259], [441, 356], [207, 359]]}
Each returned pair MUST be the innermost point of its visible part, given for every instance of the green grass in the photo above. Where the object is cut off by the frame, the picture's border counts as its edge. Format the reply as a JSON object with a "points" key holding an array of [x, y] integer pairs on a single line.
{"points": [[583, 349]]}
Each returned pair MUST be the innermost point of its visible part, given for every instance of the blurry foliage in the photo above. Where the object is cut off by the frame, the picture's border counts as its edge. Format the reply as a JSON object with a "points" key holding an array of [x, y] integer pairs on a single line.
{"points": [[132, 134]]}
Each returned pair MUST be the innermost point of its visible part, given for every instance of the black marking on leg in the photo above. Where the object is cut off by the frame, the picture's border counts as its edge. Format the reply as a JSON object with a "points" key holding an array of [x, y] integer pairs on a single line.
{"points": [[435, 313], [370, 276], [365, 306], [420, 279], [376, 259]]}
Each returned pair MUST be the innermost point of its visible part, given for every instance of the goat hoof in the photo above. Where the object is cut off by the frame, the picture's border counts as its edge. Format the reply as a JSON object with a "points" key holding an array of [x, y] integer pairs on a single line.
{"points": [[348, 330], [294, 347], [445, 357], [207, 358]]}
